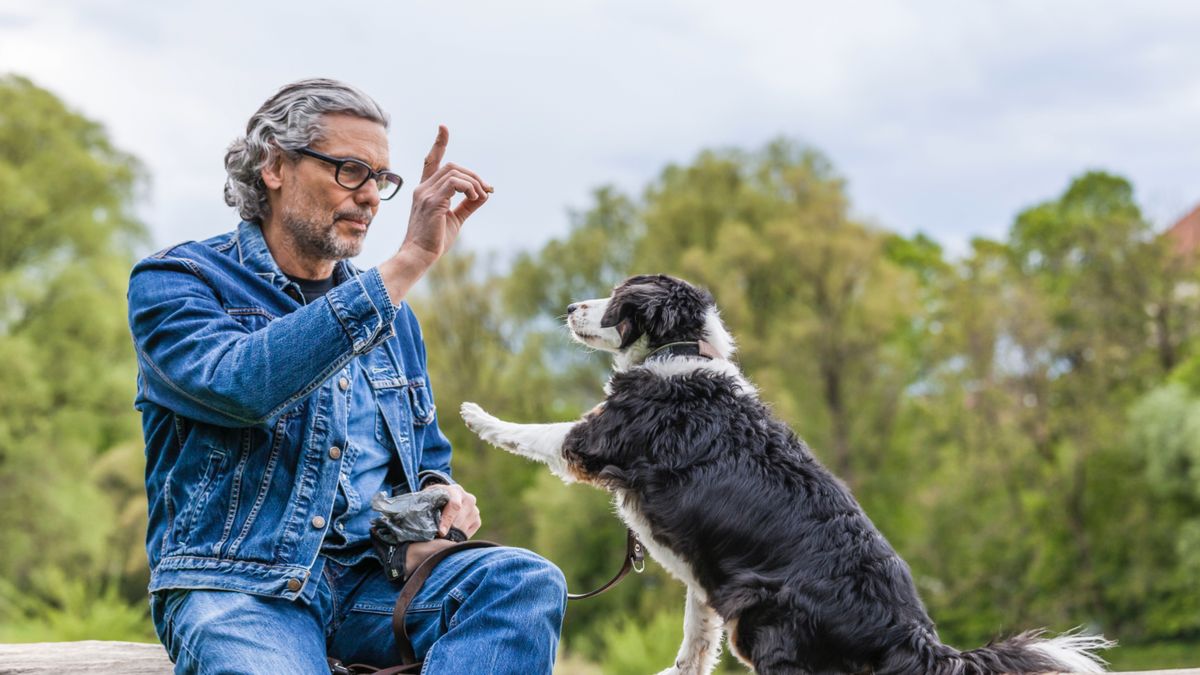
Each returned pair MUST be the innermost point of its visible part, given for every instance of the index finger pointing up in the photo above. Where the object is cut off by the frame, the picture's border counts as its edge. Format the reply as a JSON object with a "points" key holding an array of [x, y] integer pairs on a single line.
{"points": [[434, 159]]}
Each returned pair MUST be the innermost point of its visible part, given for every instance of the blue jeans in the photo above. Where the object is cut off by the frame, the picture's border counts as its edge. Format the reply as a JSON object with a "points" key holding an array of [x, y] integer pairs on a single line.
{"points": [[490, 610]]}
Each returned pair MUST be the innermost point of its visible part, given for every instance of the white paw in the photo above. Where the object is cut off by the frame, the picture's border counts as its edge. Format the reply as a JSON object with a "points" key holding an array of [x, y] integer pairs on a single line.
{"points": [[477, 420]]}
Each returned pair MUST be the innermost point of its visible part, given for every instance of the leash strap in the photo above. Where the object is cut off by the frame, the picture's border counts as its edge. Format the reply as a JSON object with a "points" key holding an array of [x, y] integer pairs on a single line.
{"points": [[635, 559], [412, 585]]}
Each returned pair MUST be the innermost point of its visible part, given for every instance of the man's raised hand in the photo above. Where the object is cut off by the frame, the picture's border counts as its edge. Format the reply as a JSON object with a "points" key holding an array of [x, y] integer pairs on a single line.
{"points": [[435, 222]]}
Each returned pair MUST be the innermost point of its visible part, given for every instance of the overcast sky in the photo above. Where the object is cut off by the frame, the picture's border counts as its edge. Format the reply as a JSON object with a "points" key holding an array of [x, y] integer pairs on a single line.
{"points": [[945, 117]]}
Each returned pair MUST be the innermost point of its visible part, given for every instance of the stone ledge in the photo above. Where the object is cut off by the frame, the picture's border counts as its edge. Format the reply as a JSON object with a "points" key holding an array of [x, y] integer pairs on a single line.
{"points": [[89, 656], [136, 658]]}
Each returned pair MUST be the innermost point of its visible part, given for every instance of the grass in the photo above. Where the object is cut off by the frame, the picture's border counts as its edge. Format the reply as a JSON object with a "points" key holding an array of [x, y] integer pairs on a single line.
{"points": [[1154, 656]]}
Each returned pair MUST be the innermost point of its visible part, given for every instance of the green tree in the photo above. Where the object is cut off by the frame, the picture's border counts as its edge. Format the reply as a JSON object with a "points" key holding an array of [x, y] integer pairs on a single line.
{"points": [[1164, 439], [67, 370], [817, 305], [1038, 510], [1104, 277]]}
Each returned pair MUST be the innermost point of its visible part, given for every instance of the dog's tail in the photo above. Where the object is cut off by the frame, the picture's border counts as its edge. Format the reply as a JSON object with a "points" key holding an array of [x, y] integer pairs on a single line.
{"points": [[1027, 653]]}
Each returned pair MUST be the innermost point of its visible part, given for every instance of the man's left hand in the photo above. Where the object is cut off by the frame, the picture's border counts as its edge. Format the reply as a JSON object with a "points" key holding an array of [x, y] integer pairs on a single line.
{"points": [[461, 511]]}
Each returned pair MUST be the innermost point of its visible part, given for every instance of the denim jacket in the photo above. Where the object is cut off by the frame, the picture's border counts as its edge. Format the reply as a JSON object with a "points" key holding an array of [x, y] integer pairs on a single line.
{"points": [[243, 395]]}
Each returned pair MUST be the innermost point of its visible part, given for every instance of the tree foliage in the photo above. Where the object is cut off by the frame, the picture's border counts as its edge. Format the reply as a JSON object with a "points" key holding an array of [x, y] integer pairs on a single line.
{"points": [[70, 494]]}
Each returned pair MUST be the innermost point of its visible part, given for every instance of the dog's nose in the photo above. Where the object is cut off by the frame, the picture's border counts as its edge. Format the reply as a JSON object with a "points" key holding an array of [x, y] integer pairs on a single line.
{"points": [[572, 307]]}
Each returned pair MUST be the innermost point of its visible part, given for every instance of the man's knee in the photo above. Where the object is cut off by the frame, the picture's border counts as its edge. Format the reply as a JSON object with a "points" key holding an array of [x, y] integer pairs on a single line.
{"points": [[530, 576]]}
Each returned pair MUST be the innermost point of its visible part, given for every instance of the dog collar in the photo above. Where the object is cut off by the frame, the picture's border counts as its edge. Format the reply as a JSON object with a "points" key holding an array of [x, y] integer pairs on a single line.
{"points": [[697, 348]]}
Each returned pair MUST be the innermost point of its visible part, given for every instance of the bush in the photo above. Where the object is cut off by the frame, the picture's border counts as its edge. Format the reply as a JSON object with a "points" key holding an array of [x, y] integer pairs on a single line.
{"points": [[58, 609]]}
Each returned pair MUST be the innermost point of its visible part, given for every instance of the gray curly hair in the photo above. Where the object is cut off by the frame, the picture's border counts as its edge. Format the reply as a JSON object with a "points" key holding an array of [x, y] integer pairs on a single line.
{"points": [[289, 120]]}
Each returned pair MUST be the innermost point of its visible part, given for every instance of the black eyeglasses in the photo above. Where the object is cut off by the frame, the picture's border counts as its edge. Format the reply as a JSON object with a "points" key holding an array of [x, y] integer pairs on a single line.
{"points": [[354, 173]]}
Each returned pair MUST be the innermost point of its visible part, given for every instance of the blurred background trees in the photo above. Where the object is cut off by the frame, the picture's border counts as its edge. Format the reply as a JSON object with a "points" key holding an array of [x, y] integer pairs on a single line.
{"points": [[1022, 421], [72, 508]]}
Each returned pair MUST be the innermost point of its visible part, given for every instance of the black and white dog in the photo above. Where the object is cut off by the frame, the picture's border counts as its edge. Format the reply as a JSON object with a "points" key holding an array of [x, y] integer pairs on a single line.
{"points": [[772, 547]]}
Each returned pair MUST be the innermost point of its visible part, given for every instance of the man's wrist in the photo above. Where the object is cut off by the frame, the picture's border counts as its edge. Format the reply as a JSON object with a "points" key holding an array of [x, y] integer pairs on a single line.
{"points": [[402, 271], [418, 551]]}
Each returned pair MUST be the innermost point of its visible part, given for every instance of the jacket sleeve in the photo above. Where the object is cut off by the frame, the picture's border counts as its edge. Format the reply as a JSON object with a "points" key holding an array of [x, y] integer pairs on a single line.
{"points": [[198, 360], [434, 466]]}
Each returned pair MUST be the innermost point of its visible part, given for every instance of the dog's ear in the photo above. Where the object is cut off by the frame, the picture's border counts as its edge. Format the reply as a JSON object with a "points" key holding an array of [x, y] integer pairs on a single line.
{"points": [[670, 308], [622, 315], [658, 304]]}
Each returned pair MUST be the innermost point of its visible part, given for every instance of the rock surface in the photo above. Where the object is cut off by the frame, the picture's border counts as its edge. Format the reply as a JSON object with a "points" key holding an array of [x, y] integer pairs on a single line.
{"points": [[135, 658], [89, 656]]}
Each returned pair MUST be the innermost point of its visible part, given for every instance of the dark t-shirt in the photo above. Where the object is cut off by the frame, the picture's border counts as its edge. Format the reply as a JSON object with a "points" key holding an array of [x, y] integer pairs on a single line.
{"points": [[312, 289]]}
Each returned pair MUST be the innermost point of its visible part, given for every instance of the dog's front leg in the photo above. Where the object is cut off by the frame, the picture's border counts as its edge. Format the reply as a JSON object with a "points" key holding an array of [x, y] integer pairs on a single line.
{"points": [[701, 638], [541, 442]]}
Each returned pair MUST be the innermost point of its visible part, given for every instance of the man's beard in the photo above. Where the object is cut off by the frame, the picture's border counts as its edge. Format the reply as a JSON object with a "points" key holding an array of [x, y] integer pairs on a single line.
{"points": [[318, 241]]}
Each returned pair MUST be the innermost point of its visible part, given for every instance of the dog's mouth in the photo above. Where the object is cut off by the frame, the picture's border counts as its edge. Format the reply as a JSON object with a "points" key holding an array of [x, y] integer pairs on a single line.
{"points": [[577, 331], [592, 340], [584, 326]]}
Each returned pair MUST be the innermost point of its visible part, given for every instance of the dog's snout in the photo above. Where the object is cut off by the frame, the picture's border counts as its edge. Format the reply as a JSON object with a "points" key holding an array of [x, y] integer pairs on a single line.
{"points": [[572, 307]]}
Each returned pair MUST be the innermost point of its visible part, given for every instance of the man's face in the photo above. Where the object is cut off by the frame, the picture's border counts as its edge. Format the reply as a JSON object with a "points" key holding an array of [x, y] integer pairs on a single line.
{"points": [[326, 221]]}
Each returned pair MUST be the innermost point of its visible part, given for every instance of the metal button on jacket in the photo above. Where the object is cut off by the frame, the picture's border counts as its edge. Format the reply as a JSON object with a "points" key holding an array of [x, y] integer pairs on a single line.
{"points": [[294, 585], [343, 383], [335, 452], [318, 522]]}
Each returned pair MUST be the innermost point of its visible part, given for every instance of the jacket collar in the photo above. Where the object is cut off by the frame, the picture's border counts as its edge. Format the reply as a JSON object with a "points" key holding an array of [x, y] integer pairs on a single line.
{"points": [[252, 252]]}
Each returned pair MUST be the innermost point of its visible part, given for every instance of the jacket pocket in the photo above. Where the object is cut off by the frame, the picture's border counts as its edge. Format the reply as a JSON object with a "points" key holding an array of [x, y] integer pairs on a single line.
{"points": [[391, 402], [197, 501], [421, 399]]}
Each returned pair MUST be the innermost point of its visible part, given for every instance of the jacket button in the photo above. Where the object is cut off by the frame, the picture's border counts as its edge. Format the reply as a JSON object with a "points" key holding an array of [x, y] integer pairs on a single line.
{"points": [[343, 383], [335, 452], [318, 522], [294, 585]]}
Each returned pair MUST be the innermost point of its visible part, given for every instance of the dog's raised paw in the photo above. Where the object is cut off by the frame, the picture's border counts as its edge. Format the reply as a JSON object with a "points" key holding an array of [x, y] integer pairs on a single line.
{"points": [[476, 418]]}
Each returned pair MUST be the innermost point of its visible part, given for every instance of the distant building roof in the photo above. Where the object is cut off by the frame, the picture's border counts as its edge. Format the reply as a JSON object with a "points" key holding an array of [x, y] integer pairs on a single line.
{"points": [[1185, 234]]}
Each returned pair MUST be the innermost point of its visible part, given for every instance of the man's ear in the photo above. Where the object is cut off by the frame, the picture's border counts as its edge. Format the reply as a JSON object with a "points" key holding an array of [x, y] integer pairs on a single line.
{"points": [[272, 171]]}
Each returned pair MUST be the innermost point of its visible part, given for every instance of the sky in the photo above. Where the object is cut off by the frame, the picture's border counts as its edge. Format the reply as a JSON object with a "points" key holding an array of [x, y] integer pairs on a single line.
{"points": [[944, 117]]}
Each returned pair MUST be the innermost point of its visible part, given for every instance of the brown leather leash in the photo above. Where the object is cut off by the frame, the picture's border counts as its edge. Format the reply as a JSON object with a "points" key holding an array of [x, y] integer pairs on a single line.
{"points": [[635, 559]]}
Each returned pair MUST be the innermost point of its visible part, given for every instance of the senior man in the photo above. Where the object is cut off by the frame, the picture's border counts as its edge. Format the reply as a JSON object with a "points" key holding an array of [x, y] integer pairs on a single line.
{"points": [[281, 387]]}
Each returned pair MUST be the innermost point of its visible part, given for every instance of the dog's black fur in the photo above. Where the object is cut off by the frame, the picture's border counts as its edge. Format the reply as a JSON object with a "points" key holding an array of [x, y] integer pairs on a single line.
{"points": [[775, 540]]}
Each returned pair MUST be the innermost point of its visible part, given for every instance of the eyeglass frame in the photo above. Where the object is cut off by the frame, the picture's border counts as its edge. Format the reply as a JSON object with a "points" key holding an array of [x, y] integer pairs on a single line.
{"points": [[339, 162]]}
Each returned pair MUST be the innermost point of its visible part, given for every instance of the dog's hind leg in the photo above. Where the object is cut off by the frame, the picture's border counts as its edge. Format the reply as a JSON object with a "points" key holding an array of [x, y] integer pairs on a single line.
{"points": [[540, 442], [701, 638]]}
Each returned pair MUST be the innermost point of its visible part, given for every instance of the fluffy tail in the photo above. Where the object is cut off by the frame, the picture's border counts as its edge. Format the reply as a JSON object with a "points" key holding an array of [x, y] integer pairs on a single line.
{"points": [[1026, 653]]}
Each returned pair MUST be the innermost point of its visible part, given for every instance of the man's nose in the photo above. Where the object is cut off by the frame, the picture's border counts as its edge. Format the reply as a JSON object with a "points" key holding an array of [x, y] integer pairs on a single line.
{"points": [[368, 194]]}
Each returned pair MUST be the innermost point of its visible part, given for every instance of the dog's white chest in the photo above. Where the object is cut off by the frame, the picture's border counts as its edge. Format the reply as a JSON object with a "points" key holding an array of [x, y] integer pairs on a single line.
{"points": [[627, 508]]}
